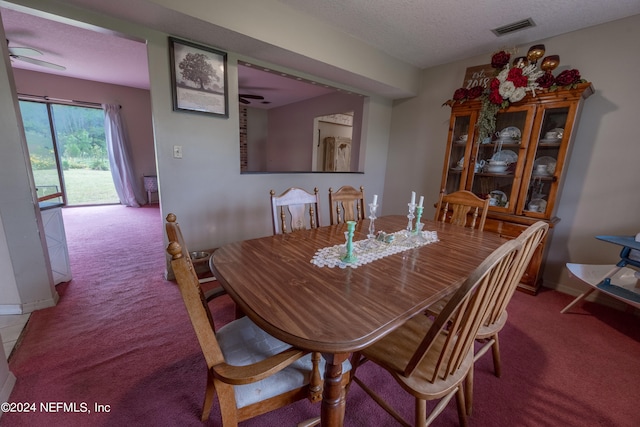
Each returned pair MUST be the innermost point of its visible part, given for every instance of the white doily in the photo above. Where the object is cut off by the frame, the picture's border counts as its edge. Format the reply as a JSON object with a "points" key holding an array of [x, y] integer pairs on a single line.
{"points": [[367, 251]]}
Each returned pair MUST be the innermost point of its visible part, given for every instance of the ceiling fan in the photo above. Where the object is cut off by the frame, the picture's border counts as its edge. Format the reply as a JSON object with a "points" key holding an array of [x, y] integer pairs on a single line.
{"points": [[24, 54], [244, 98]]}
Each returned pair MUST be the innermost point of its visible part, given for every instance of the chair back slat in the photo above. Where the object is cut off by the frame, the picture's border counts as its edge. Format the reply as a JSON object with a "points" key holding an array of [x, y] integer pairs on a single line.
{"points": [[458, 206], [295, 207], [530, 239], [463, 315], [347, 204]]}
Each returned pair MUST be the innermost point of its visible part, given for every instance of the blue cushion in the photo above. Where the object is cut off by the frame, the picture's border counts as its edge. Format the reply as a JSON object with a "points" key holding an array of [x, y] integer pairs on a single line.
{"points": [[242, 343]]}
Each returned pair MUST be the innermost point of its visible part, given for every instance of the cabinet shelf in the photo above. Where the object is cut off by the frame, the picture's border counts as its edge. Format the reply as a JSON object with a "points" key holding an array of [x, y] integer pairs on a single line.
{"points": [[534, 117], [493, 145], [495, 174], [543, 177]]}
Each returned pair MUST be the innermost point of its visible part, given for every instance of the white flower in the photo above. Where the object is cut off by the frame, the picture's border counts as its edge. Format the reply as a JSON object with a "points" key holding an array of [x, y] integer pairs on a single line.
{"points": [[506, 89], [502, 76], [517, 94]]}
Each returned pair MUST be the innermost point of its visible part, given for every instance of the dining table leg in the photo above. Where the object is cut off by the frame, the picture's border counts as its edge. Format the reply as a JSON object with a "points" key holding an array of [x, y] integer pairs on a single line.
{"points": [[333, 393]]}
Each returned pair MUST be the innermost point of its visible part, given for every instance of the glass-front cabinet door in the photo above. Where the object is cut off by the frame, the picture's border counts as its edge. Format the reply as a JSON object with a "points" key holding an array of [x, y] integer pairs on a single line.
{"points": [[498, 161], [543, 173], [456, 166]]}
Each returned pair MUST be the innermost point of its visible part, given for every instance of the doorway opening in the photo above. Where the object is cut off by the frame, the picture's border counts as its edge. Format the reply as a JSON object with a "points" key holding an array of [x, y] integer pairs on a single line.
{"points": [[68, 153]]}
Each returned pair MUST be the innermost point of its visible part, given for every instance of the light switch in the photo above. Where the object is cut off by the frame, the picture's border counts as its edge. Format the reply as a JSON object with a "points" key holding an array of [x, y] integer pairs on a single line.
{"points": [[177, 151]]}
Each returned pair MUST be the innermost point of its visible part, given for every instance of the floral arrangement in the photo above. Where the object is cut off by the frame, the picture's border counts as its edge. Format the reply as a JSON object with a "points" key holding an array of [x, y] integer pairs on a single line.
{"points": [[511, 84]]}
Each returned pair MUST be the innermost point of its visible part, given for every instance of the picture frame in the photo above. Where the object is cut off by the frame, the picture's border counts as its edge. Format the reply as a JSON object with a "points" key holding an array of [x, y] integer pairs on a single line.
{"points": [[198, 78]]}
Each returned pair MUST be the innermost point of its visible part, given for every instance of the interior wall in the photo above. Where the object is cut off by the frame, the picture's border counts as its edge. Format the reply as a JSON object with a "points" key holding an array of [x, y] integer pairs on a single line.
{"points": [[291, 136], [280, 26], [23, 231], [600, 189], [135, 103], [214, 203], [257, 134]]}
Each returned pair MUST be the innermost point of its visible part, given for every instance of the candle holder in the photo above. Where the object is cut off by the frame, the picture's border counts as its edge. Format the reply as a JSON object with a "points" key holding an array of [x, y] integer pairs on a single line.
{"points": [[372, 243], [349, 257], [410, 217], [419, 225], [372, 221]]}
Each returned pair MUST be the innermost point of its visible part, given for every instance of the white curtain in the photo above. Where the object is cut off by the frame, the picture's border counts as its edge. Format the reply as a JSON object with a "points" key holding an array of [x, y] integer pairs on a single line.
{"points": [[127, 186]]}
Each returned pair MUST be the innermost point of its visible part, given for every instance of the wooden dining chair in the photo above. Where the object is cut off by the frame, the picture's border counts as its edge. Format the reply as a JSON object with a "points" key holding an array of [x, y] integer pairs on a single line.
{"points": [[250, 371], [457, 206], [497, 315], [431, 359], [530, 238], [347, 204], [174, 234], [293, 207]]}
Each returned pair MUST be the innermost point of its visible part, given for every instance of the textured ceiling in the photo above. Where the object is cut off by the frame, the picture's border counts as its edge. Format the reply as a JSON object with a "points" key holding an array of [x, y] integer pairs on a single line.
{"points": [[420, 32], [86, 54], [433, 32]]}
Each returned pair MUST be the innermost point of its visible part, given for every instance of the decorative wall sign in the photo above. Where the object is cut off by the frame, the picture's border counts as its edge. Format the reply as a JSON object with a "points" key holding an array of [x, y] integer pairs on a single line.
{"points": [[339, 119], [479, 75], [199, 78]]}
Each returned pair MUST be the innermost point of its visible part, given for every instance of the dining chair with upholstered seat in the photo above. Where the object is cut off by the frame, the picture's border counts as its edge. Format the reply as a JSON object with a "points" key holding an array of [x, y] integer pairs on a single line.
{"points": [[250, 371], [430, 359], [347, 204], [174, 234], [297, 207], [457, 206]]}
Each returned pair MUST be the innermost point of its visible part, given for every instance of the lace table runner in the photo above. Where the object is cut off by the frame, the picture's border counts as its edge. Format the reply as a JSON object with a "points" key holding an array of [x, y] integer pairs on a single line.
{"points": [[367, 251]]}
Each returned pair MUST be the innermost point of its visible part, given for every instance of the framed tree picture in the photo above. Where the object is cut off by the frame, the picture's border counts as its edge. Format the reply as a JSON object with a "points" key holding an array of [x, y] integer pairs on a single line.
{"points": [[198, 78]]}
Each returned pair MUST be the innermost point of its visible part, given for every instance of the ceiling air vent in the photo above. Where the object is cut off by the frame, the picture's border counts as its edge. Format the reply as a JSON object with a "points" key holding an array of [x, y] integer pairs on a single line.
{"points": [[515, 26]]}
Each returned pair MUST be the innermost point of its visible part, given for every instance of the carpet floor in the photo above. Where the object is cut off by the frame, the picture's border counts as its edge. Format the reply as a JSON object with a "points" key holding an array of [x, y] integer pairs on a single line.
{"points": [[120, 337]]}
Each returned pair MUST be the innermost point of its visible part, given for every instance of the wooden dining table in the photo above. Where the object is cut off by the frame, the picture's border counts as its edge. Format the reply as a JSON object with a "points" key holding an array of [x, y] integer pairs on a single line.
{"points": [[336, 311]]}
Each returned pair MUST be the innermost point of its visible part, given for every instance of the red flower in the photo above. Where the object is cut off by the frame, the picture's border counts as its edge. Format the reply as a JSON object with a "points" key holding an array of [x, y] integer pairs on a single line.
{"points": [[515, 76], [568, 77], [494, 84], [475, 92], [545, 81], [500, 59], [495, 97], [460, 94]]}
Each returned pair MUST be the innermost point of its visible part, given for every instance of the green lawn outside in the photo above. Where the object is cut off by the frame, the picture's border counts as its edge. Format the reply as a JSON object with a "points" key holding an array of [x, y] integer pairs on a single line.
{"points": [[84, 186]]}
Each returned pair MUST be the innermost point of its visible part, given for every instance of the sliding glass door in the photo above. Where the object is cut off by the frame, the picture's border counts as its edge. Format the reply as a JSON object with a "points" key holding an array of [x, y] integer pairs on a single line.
{"points": [[68, 153]]}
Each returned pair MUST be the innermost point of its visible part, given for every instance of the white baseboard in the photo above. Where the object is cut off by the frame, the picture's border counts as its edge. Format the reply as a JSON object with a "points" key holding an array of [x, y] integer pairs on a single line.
{"points": [[11, 309], [28, 307]]}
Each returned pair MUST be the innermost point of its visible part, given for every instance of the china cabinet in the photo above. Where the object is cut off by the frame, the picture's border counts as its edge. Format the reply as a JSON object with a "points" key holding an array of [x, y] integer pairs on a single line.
{"points": [[521, 167]]}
